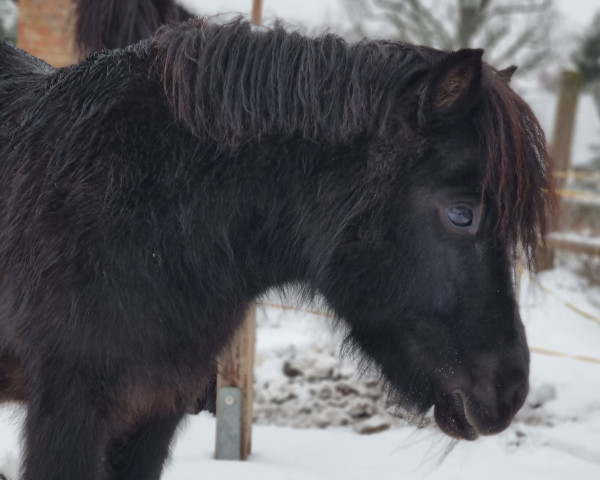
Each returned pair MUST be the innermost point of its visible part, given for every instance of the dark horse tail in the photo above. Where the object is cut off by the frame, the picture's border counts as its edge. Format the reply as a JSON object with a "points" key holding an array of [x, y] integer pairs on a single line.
{"points": [[114, 24], [17, 62], [19, 73]]}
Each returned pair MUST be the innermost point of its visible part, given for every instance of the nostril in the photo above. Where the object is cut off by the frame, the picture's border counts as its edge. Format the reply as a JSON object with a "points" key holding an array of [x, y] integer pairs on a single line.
{"points": [[520, 394], [457, 400], [513, 393]]}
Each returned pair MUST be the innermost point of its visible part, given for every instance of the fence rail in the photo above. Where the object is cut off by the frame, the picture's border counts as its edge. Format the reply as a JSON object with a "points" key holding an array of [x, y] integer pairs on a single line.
{"points": [[574, 243], [580, 196], [578, 175]]}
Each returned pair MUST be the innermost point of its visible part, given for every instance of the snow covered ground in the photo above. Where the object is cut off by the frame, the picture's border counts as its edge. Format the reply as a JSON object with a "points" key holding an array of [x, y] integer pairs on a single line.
{"points": [[555, 436]]}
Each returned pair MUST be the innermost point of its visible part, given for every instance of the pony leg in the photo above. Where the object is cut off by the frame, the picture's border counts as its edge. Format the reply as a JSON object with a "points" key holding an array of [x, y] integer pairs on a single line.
{"points": [[141, 454], [64, 432]]}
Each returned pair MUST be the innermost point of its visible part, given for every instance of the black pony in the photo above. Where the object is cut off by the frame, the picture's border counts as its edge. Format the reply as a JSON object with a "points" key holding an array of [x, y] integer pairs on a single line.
{"points": [[148, 195]]}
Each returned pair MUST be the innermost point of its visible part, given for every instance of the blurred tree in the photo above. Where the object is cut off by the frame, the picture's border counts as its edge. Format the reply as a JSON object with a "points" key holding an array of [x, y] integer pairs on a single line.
{"points": [[587, 57], [7, 19], [587, 60], [511, 31]]}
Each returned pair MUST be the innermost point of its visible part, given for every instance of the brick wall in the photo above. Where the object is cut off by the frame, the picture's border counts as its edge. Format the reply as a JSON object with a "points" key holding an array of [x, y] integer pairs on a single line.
{"points": [[46, 30]]}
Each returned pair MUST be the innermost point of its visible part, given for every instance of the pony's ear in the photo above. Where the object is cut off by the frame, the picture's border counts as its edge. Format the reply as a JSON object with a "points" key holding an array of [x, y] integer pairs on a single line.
{"points": [[507, 73], [451, 89]]}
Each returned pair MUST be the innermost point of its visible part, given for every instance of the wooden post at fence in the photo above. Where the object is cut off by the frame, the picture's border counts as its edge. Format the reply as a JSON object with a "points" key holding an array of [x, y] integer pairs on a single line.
{"points": [[257, 6], [236, 369], [236, 374], [560, 149]]}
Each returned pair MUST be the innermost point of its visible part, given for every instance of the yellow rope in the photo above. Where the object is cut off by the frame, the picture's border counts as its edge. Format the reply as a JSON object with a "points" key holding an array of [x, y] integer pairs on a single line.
{"points": [[578, 194], [296, 309], [578, 175], [554, 353], [566, 303]]}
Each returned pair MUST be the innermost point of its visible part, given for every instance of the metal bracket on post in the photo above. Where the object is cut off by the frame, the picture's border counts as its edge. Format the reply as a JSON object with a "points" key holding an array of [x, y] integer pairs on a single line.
{"points": [[229, 424], [236, 370]]}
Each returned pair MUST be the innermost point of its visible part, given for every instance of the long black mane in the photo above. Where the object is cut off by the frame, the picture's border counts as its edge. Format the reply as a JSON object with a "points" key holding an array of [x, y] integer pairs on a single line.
{"points": [[236, 84]]}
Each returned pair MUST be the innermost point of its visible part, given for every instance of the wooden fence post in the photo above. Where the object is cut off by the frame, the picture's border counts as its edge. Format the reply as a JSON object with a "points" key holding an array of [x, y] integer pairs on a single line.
{"points": [[236, 369], [257, 6], [560, 149], [236, 364]]}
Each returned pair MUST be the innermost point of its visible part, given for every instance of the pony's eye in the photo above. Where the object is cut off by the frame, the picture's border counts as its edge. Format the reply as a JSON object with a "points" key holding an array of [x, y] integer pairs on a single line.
{"points": [[460, 215]]}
